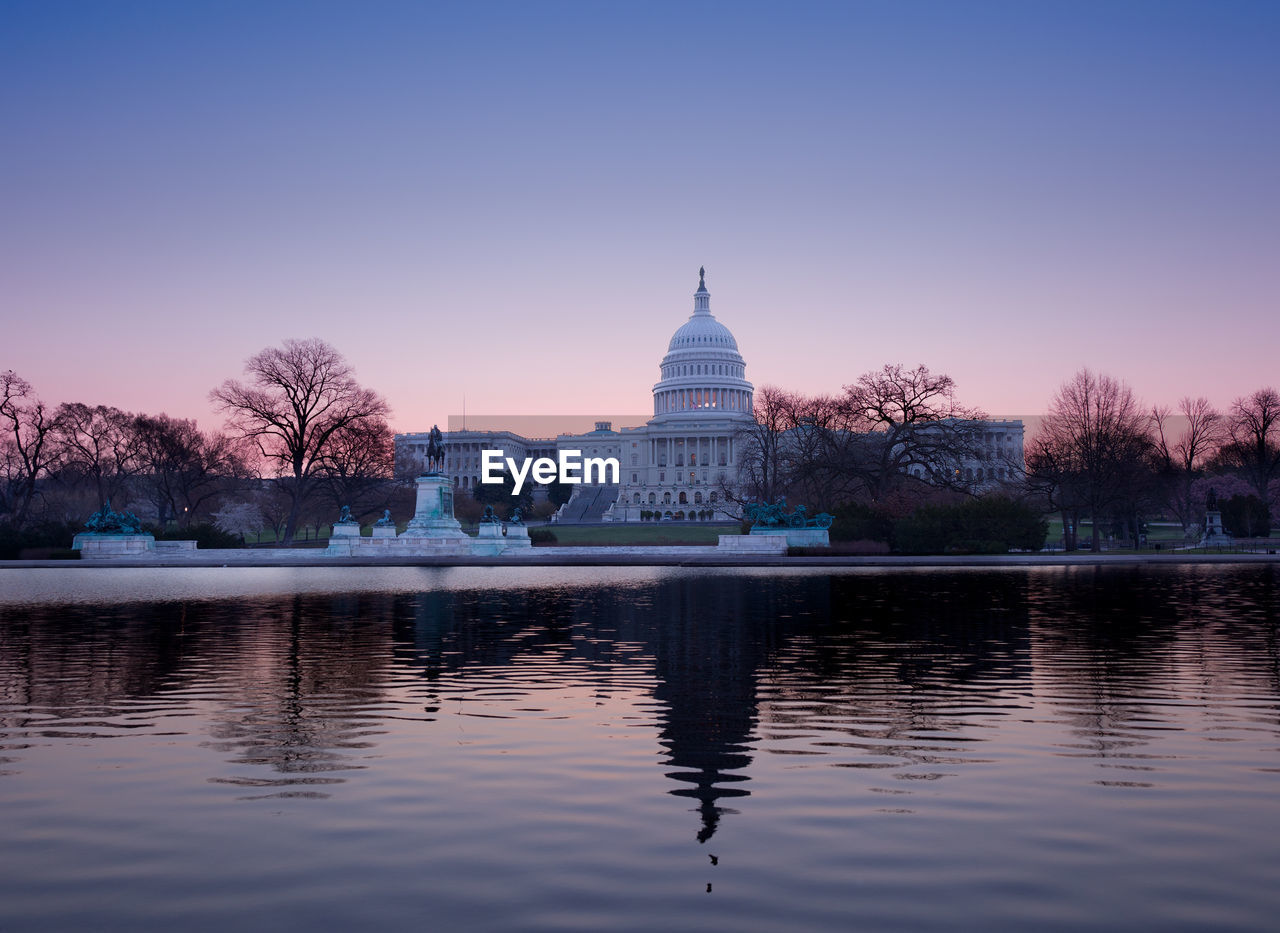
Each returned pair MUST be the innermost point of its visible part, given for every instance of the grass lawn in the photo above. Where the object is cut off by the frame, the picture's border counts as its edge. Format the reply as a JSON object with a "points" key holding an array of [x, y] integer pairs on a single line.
{"points": [[621, 535]]}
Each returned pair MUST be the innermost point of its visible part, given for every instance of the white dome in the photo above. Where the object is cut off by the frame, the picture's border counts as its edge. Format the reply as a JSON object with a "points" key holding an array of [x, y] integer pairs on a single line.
{"points": [[702, 330], [703, 373]]}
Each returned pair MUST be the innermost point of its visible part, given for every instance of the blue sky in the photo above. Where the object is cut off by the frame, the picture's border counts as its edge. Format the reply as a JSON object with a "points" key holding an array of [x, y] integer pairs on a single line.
{"points": [[511, 201]]}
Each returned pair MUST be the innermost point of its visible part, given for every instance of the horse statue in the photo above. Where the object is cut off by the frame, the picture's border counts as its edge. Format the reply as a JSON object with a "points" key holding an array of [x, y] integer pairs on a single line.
{"points": [[435, 450]]}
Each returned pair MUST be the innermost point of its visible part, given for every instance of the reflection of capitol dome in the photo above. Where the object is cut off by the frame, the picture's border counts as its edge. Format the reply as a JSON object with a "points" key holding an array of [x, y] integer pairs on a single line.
{"points": [[703, 372]]}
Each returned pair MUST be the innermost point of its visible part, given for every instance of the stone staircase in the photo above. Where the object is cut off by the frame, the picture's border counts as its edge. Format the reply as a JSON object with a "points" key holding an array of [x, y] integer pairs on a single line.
{"points": [[588, 504]]}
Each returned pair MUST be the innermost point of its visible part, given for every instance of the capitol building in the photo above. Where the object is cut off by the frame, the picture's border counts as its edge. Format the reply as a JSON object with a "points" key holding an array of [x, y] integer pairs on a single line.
{"points": [[677, 465]]}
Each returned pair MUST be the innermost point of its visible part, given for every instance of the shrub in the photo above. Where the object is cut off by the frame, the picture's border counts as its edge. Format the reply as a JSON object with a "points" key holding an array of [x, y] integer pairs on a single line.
{"points": [[42, 535], [206, 535], [858, 522], [990, 525], [542, 536], [1245, 517]]}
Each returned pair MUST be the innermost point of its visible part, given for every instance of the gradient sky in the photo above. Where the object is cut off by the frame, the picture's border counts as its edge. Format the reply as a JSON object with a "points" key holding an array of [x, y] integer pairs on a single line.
{"points": [[511, 200]]}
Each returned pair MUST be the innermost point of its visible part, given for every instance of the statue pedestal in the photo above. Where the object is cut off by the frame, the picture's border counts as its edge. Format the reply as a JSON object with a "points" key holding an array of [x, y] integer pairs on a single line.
{"points": [[343, 539], [754, 544], [489, 541], [96, 546], [433, 530], [384, 531], [1214, 534], [433, 514], [518, 538], [797, 537]]}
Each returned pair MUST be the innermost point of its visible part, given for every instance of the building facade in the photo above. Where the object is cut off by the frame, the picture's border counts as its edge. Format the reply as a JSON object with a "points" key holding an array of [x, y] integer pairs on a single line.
{"points": [[679, 464]]}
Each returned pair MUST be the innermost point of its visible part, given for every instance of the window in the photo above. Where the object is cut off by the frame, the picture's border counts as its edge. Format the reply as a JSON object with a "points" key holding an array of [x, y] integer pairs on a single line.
{"points": [[684, 499], [635, 478], [697, 498], [653, 498], [636, 499]]}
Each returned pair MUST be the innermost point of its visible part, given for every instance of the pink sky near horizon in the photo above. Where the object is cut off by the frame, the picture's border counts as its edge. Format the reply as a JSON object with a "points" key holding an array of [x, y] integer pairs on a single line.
{"points": [[511, 207]]}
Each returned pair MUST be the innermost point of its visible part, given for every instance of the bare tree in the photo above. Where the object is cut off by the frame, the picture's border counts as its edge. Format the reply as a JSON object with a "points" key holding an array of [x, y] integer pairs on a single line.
{"points": [[26, 451], [358, 469], [1183, 459], [1091, 449], [1254, 448], [762, 468], [296, 399], [97, 445], [863, 444], [183, 468], [911, 420]]}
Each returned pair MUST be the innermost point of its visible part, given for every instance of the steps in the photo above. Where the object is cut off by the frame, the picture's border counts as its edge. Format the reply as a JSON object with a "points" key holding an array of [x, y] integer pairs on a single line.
{"points": [[588, 504]]}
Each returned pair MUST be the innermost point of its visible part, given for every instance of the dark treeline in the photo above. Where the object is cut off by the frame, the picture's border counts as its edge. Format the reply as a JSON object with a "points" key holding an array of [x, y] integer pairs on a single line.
{"points": [[899, 461], [1100, 455], [894, 456], [303, 440]]}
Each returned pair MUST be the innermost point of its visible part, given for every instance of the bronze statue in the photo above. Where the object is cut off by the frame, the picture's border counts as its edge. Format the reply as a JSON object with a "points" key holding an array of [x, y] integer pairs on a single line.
{"points": [[435, 450], [107, 521]]}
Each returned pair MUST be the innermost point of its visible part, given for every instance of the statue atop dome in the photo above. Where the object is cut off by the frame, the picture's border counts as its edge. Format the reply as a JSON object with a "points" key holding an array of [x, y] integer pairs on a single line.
{"points": [[702, 278]]}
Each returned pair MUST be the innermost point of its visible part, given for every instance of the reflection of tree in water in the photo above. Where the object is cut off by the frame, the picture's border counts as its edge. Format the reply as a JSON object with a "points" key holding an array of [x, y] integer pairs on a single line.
{"points": [[309, 670], [1111, 644], [890, 663], [76, 661]]}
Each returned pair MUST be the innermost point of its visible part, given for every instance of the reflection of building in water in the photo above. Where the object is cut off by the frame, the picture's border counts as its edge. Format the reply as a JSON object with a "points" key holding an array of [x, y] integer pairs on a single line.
{"points": [[708, 645], [705, 636]]}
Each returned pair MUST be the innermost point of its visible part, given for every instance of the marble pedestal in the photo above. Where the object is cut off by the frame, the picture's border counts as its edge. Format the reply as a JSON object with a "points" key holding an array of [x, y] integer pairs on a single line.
{"points": [[753, 544], [489, 541], [518, 538], [97, 546], [343, 539], [796, 537], [1214, 534], [433, 529]]}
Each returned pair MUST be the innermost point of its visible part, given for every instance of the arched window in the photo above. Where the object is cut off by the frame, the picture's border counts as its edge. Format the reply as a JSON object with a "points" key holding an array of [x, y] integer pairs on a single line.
{"points": [[684, 499], [653, 498], [697, 498], [666, 498], [636, 499]]}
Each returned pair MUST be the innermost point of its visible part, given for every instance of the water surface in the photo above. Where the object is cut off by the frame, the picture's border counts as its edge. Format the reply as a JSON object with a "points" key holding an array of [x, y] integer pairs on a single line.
{"points": [[634, 749]]}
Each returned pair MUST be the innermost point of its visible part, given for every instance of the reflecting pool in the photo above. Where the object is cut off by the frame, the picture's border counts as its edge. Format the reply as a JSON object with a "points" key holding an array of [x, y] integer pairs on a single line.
{"points": [[640, 749]]}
